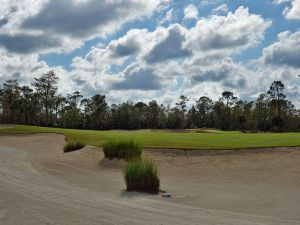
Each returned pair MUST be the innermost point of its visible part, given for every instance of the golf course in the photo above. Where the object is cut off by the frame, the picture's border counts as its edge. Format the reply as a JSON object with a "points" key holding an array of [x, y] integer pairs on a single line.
{"points": [[40, 184], [160, 112], [178, 139]]}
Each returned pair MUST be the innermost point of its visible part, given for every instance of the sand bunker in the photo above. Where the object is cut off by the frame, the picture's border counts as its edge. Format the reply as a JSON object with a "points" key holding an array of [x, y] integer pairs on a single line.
{"points": [[41, 185]]}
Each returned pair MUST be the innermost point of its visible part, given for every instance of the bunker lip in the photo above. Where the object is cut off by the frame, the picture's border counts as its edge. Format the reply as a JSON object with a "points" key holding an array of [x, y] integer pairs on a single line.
{"points": [[4, 126], [206, 152]]}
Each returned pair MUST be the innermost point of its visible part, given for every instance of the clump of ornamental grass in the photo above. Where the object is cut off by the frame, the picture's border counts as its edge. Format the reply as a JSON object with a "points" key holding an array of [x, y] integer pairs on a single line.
{"points": [[141, 175], [73, 146], [122, 149]]}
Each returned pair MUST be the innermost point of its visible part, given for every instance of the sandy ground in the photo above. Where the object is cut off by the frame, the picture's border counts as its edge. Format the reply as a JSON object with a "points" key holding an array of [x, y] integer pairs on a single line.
{"points": [[41, 185]]}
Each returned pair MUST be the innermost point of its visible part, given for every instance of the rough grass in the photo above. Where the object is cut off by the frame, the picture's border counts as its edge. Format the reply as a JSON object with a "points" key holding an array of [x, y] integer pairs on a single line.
{"points": [[73, 146], [212, 139], [141, 175], [122, 149]]}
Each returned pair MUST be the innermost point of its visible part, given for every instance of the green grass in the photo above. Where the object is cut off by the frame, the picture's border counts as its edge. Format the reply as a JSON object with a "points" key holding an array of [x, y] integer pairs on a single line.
{"points": [[211, 139], [122, 149], [73, 146], [141, 175]]}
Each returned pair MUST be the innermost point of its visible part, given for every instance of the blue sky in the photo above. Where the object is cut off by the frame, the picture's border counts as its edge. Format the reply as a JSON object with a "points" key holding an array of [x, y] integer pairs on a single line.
{"points": [[273, 13], [141, 50]]}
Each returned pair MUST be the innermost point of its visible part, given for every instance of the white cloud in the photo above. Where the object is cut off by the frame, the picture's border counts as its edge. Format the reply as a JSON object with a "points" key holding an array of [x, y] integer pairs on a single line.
{"points": [[292, 11], [169, 17], [224, 72], [169, 46], [102, 58], [190, 12], [16, 67], [161, 63], [197, 55], [204, 3], [279, 61], [24, 69], [235, 32], [134, 78], [216, 35], [87, 18], [281, 1], [63, 25], [221, 9], [286, 51], [266, 74]]}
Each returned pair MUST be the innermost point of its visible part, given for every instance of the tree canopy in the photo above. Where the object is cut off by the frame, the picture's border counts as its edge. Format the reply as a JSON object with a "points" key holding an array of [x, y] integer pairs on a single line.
{"points": [[42, 105]]}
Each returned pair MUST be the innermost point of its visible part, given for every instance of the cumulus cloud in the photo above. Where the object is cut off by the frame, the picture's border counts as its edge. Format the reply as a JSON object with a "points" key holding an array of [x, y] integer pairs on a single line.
{"points": [[286, 51], [64, 25], [24, 43], [127, 45], [138, 78], [215, 74], [175, 51], [15, 66], [236, 31], [265, 74], [3, 21], [222, 35], [221, 9], [156, 62], [292, 11], [86, 18], [169, 17], [280, 1], [190, 12], [101, 59], [170, 47], [204, 3], [225, 72]]}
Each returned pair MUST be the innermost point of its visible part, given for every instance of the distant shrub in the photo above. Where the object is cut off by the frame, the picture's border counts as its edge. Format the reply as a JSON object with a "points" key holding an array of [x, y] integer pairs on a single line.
{"points": [[122, 149], [277, 124], [141, 175], [73, 146]]}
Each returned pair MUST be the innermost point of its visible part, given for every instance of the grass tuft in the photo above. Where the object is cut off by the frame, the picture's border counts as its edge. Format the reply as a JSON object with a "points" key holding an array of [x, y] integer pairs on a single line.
{"points": [[73, 146], [141, 175], [122, 149]]}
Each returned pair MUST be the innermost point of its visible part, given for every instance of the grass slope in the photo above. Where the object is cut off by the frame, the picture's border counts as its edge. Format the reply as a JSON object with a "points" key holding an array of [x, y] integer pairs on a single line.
{"points": [[170, 139]]}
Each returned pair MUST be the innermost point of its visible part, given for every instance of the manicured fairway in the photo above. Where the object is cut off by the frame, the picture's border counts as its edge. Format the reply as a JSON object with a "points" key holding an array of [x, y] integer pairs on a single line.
{"points": [[170, 139]]}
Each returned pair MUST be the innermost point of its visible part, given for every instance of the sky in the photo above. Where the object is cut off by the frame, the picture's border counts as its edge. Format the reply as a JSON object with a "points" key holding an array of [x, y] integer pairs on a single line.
{"points": [[140, 50]]}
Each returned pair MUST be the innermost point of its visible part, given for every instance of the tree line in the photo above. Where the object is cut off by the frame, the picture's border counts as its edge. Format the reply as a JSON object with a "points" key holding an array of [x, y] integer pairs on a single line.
{"points": [[41, 105]]}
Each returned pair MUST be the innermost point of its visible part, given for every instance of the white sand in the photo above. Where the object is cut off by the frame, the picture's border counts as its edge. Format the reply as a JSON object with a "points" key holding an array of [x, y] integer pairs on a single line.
{"points": [[41, 185]]}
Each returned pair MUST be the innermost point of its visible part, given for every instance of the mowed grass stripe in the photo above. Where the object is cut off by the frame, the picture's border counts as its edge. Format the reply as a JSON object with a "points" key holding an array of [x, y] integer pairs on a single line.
{"points": [[170, 139]]}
